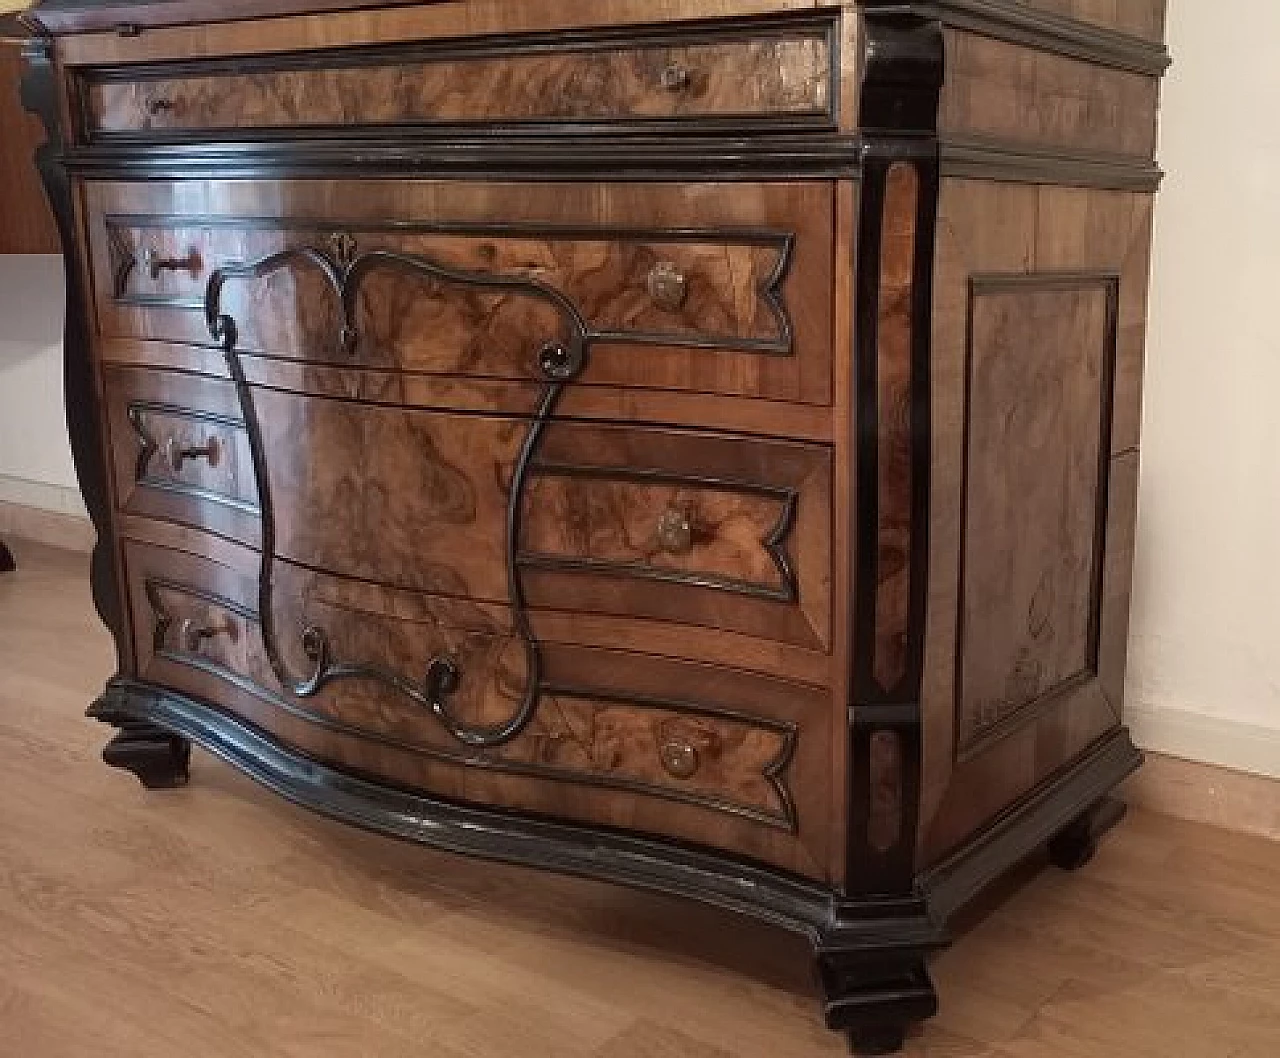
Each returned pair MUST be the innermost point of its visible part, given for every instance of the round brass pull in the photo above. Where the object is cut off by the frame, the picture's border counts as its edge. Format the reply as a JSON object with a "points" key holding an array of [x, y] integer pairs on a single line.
{"points": [[193, 634], [156, 262], [679, 758], [668, 286], [675, 531], [675, 77], [176, 453]]}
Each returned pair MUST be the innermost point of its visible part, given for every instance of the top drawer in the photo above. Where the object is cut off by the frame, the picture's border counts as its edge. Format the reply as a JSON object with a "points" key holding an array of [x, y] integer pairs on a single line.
{"points": [[724, 73]]}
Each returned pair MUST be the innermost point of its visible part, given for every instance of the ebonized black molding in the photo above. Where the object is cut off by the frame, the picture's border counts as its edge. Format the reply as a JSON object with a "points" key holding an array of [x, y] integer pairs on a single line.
{"points": [[1019, 24], [899, 49], [40, 97], [460, 152], [870, 952], [1026, 165]]}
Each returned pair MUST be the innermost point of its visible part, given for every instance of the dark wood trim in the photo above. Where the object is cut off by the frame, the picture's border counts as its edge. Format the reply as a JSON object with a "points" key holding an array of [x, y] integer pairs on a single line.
{"points": [[1048, 31], [900, 49], [675, 868], [504, 155], [7, 565], [991, 160], [84, 414], [1027, 825]]}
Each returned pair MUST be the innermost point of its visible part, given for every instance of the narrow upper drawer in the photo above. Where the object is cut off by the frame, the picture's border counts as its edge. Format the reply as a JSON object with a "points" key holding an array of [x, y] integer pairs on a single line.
{"points": [[722, 73]]}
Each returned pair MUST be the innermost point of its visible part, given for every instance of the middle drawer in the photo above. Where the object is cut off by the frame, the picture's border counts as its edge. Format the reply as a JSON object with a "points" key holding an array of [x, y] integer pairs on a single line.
{"points": [[693, 287], [688, 526]]}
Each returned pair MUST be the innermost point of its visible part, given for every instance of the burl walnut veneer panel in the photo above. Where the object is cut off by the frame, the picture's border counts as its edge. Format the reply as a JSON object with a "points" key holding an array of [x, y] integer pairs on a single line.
{"points": [[680, 287], [774, 74]]}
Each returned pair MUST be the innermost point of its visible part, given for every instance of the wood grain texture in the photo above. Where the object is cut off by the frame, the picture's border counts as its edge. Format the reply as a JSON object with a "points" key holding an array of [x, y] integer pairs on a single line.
{"points": [[1036, 410], [1141, 18], [219, 913], [418, 500], [729, 247], [148, 413], [754, 739], [772, 74], [893, 407], [401, 24], [997, 91], [1010, 230], [26, 224]]}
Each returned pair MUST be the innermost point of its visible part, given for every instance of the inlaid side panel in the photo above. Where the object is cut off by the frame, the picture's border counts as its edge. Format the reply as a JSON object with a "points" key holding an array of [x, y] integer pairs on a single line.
{"points": [[1040, 373], [1010, 93], [1038, 332]]}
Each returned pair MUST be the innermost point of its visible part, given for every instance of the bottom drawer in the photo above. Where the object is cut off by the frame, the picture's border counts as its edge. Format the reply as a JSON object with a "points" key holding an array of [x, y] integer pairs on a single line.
{"points": [[717, 756]]}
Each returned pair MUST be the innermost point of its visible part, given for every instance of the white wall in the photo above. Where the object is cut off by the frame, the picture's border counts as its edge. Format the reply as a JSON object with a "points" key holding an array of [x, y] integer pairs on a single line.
{"points": [[35, 459], [1204, 676]]}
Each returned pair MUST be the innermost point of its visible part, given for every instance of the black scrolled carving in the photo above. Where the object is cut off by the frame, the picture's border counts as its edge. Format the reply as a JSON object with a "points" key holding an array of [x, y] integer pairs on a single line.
{"points": [[561, 360]]}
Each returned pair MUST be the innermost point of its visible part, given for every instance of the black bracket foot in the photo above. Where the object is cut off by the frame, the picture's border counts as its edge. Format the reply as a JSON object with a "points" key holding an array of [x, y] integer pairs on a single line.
{"points": [[874, 999], [1074, 846], [7, 565], [159, 760]]}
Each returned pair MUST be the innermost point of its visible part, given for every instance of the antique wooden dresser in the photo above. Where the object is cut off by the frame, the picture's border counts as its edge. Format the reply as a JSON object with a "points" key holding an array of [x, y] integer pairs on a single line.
{"points": [[691, 443]]}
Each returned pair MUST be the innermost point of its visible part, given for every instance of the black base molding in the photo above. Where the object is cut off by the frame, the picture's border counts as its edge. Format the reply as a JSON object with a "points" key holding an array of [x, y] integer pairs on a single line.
{"points": [[870, 952]]}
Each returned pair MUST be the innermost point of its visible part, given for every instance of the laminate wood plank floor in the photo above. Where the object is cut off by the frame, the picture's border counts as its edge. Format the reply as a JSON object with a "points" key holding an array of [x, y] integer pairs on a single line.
{"points": [[217, 921]]}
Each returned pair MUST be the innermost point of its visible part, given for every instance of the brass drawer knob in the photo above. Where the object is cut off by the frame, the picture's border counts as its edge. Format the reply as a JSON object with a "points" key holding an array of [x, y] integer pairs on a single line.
{"points": [[193, 635], [176, 453], [157, 105], [675, 531], [679, 758], [668, 286], [155, 262], [675, 77]]}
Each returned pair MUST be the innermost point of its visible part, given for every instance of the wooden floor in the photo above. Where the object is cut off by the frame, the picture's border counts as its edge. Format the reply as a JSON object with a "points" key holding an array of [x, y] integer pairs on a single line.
{"points": [[217, 921]]}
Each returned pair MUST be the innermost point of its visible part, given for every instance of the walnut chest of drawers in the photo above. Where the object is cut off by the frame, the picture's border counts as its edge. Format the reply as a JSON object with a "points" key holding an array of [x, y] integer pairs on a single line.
{"points": [[691, 443]]}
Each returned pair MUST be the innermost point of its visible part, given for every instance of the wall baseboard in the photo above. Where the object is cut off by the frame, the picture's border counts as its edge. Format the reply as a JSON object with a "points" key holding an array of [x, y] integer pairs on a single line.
{"points": [[69, 530], [1206, 739], [1205, 793]]}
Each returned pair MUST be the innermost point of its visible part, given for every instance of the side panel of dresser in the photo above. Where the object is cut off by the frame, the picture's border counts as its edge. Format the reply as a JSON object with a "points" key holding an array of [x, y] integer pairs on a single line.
{"points": [[1040, 308]]}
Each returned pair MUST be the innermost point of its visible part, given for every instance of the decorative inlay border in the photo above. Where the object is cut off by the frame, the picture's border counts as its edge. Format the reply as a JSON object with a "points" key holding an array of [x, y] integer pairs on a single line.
{"points": [[148, 447], [769, 289], [966, 748], [774, 542], [774, 771]]}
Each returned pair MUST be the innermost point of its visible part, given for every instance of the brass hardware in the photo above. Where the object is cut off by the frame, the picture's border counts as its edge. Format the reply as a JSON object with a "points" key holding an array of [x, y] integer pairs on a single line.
{"points": [[156, 262], [667, 286], [675, 77], [191, 634], [157, 105], [675, 531], [679, 758], [176, 453]]}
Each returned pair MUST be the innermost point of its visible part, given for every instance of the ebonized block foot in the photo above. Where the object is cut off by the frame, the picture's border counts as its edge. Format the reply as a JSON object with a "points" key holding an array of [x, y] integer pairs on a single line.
{"points": [[7, 565], [159, 760], [875, 999], [1074, 846]]}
